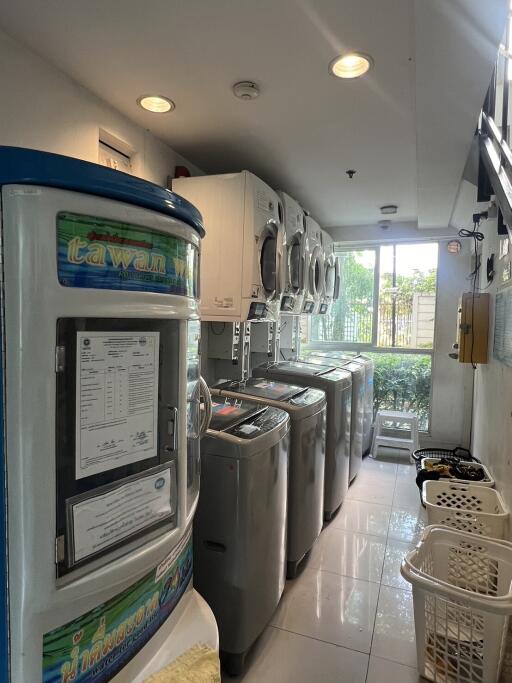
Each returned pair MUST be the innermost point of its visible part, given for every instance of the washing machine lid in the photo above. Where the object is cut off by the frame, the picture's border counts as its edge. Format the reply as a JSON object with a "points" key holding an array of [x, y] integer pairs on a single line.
{"points": [[230, 413], [264, 388], [20, 166], [350, 364], [301, 368]]}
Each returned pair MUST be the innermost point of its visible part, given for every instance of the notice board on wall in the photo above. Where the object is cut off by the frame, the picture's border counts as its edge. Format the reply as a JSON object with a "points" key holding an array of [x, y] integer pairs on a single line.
{"points": [[503, 327]]}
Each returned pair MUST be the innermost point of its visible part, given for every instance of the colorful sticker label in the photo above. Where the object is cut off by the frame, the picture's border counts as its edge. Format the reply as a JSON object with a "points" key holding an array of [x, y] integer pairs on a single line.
{"points": [[95, 646], [104, 254]]}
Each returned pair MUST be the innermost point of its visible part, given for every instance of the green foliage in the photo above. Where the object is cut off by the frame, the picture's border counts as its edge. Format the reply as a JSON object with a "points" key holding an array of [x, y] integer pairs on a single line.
{"points": [[402, 382], [419, 282]]}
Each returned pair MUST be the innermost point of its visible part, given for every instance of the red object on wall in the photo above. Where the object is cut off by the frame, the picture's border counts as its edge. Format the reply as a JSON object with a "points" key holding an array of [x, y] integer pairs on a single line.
{"points": [[181, 172]]}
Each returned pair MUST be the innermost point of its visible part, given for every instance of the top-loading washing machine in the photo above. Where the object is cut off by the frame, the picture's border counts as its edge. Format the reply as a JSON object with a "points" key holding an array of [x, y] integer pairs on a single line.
{"points": [[331, 288], [369, 368], [357, 371], [337, 385], [314, 267], [306, 408], [295, 254], [240, 522], [242, 266], [368, 364]]}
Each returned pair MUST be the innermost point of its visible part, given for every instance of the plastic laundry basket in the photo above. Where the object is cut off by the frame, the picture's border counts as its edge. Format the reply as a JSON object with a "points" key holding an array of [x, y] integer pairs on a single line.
{"points": [[467, 507], [462, 593]]}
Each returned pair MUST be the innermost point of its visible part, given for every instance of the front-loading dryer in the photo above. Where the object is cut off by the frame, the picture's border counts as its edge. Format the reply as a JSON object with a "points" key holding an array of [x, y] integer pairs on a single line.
{"points": [[242, 264], [295, 254], [331, 287], [314, 267]]}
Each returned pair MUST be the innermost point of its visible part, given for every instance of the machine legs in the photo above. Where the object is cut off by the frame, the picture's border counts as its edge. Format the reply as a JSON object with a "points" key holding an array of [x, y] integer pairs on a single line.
{"points": [[233, 663]]}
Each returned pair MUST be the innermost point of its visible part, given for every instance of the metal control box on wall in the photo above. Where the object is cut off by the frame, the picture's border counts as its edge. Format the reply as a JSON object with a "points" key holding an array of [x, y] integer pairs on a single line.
{"points": [[242, 267], [473, 327]]}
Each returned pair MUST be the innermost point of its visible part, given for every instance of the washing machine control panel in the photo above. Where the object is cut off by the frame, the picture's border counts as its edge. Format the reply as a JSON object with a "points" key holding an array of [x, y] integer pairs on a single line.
{"points": [[287, 303], [257, 311]]}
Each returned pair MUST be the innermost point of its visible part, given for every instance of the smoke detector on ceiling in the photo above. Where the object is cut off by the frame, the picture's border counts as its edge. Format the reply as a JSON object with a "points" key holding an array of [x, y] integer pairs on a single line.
{"points": [[388, 209], [384, 225], [246, 90]]}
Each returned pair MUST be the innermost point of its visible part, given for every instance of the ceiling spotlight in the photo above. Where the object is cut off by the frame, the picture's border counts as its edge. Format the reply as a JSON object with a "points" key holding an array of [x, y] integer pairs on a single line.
{"points": [[389, 209], [158, 104], [246, 90], [351, 65]]}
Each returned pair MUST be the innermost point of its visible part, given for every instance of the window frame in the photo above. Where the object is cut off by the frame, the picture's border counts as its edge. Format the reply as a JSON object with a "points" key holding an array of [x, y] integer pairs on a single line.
{"points": [[318, 345]]}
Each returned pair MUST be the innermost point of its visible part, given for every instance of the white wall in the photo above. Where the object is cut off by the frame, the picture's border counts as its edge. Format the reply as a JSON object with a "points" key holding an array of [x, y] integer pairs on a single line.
{"points": [[451, 381], [44, 109], [492, 416]]}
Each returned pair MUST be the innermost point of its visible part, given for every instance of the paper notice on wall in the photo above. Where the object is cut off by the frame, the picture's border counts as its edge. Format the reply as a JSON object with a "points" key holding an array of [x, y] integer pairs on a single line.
{"points": [[104, 520], [116, 400]]}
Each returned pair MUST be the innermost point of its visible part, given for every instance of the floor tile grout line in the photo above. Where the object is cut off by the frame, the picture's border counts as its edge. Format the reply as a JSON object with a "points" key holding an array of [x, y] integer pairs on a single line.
{"points": [[380, 589], [319, 640]]}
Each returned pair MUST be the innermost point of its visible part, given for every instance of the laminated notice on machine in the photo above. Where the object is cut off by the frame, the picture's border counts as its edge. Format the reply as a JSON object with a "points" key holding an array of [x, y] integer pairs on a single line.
{"points": [[106, 519], [116, 399]]}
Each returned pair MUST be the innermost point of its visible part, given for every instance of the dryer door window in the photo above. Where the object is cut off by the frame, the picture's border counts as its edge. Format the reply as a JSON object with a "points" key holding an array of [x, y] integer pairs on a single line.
{"points": [[268, 263], [330, 279], [294, 264], [315, 275]]}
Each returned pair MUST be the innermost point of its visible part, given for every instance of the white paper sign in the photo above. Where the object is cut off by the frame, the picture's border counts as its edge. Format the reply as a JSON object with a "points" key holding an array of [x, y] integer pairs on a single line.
{"points": [[106, 519], [116, 399]]}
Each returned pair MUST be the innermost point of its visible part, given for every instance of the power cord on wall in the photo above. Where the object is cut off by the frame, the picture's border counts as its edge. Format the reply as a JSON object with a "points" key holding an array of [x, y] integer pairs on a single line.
{"points": [[477, 237]]}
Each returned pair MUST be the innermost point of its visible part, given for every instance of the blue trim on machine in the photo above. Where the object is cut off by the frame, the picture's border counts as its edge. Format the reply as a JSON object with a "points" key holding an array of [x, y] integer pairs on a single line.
{"points": [[20, 166]]}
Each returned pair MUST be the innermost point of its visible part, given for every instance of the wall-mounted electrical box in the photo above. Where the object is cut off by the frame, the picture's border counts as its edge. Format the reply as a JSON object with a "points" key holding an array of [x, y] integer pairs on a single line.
{"points": [[473, 327], [114, 152]]}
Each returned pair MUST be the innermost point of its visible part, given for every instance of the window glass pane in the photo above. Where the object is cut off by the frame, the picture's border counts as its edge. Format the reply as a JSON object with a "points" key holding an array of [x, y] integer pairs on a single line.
{"points": [[402, 382], [350, 318], [407, 295]]}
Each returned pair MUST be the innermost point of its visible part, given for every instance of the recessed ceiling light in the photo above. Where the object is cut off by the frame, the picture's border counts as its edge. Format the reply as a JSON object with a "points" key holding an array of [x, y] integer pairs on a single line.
{"points": [[156, 103], [351, 65]]}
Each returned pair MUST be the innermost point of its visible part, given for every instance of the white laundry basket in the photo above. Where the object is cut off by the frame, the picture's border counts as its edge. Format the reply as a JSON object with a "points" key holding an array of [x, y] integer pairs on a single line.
{"points": [[462, 593], [467, 507]]}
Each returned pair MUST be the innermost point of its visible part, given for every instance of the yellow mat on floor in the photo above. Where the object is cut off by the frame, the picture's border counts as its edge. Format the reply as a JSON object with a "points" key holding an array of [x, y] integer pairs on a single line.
{"points": [[199, 664]]}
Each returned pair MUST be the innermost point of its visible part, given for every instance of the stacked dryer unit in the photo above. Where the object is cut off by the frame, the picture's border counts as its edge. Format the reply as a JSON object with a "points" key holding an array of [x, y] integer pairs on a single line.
{"points": [[242, 269], [295, 256], [314, 268], [331, 289]]}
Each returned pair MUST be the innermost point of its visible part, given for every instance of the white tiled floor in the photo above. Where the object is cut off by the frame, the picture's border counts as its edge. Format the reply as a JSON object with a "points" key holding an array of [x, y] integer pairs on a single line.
{"points": [[348, 616]]}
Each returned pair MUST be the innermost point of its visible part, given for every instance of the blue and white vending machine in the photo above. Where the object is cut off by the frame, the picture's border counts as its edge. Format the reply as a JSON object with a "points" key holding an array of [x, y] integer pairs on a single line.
{"points": [[100, 423]]}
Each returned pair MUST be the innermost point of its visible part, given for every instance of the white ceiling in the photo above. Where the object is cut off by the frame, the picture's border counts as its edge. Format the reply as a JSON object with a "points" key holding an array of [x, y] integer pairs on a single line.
{"points": [[406, 127]]}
